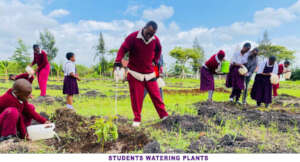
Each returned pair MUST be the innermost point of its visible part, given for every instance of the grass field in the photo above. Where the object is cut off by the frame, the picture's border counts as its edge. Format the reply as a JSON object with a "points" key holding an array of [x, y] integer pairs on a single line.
{"points": [[179, 99]]}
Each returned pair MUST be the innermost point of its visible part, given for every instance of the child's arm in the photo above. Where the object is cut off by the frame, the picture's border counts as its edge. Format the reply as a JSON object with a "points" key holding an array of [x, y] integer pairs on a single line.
{"points": [[30, 111]]}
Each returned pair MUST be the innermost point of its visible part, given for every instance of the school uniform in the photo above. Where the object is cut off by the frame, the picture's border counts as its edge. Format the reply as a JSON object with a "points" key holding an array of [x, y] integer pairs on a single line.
{"points": [[207, 73], [276, 86], [262, 87], [141, 75], [70, 86], [16, 115], [26, 76], [41, 59], [234, 80]]}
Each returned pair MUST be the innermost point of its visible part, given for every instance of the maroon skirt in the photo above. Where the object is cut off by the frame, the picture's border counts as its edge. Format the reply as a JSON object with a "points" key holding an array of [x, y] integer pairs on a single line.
{"points": [[207, 82], [234, 79], [262, 89], [70, 86]]}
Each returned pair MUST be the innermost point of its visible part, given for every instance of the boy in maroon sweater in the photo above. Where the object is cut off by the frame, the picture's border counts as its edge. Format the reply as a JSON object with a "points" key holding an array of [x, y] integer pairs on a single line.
{"points": [[15, 111], [144, 52]]}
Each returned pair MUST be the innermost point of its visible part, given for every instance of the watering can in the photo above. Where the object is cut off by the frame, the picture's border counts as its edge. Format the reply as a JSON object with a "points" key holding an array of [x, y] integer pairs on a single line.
{"points": [[41, 131], [225, 67]]}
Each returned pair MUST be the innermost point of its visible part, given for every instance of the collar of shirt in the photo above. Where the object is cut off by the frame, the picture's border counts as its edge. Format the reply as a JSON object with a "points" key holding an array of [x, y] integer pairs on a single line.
{"points": [[21, 102], [140, 36], [217, 59]]}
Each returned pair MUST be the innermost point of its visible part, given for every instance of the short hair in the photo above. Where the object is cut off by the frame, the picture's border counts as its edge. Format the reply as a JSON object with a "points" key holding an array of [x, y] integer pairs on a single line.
{"points": [[247, 44], [35, 46], [153, 24], [69, 55], [272, 58], [287, 62], [256, 49]]}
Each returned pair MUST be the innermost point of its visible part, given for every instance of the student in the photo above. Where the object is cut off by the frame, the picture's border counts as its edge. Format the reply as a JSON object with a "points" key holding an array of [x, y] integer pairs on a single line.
{"points": [[262, 87], [144, 49], [251, 66], [70, 81], [26, 76], [234, 79], [43, 70], [207, 73], [281, 69], [15, 111]]}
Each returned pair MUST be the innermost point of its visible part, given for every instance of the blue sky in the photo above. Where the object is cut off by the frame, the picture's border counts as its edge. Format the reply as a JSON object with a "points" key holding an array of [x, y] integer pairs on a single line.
{"points": [[218, 24]]}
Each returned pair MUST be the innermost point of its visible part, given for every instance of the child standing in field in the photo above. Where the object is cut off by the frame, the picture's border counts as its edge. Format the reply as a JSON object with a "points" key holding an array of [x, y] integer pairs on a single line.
{"points": [[70, 81], [282, 68], [207, 73], [262, 87]]}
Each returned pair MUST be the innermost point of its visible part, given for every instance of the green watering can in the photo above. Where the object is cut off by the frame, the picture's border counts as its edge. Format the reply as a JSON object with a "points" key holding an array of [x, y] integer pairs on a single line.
{"points": [[225, 67]]}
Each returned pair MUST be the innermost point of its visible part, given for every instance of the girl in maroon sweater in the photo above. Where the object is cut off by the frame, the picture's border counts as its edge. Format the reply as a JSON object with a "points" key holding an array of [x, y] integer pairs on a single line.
{"points": [[15, 111], [43, 70], [207, 73]]}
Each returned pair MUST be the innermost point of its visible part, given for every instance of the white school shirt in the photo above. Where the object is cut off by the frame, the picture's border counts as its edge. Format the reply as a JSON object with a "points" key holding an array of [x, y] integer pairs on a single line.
{"points": [[238, 58], [69, 68], [262, 65]]}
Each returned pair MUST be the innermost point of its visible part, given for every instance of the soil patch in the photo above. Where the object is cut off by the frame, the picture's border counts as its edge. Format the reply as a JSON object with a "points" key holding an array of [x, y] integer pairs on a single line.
{"points": [[287, 101], [184, 123], [94, 93], [48, 100], [192, 91], [77, 137], [283, 120]]}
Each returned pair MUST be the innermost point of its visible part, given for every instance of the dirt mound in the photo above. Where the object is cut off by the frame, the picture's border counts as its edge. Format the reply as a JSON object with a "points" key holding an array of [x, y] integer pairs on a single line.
{"points": [[283, 120], [77, 136], [185, 123], [15, 145], [286, 101], [152, 147], [94, 93], [192, 91], [48, 100], [54, 87]]}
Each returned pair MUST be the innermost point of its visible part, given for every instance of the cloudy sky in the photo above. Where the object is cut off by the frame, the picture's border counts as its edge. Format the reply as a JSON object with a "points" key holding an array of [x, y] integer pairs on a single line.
{"points": [[217, 24]]}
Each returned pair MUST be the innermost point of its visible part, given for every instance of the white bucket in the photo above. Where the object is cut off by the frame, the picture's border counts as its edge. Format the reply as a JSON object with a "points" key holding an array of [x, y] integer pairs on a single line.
{"points": [[29, 70], [41, 131]]}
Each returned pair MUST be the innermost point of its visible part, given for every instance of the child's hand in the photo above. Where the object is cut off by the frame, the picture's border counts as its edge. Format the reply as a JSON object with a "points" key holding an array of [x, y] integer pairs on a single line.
{"points": [[78, 78]]}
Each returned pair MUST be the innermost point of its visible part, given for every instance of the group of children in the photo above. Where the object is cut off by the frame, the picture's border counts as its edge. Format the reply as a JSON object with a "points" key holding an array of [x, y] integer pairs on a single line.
{"points": [[244, 58], [16, 113]]}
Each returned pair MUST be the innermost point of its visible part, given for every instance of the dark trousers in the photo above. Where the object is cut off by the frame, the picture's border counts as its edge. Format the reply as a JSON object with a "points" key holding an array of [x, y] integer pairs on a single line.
{"points": [[236, 93], [245, 93]]}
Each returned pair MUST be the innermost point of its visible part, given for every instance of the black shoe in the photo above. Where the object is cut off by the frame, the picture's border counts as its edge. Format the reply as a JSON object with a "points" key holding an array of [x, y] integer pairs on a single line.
{"points": [[267, 105]]}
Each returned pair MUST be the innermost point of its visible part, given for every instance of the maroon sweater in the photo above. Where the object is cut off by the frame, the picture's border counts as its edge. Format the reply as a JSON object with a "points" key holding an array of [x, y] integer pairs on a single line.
{"points": [[41, 60], [212, 64], [25, 76], [8, 100], [141, 55]]}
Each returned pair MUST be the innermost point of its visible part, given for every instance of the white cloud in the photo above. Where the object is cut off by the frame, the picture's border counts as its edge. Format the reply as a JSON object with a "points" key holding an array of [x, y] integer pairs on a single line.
{"points": [[58, 13], [82, 36], [161, 13], [132, 10]]}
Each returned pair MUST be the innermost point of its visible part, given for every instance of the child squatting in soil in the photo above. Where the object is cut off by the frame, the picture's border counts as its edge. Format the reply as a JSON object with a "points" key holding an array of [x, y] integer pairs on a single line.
{"points": [[262, 87], [70, 81], [208, 70], [16, 113]]}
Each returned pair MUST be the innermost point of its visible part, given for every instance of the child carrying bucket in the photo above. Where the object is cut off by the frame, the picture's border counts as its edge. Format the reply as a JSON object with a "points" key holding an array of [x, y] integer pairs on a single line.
{"points": [[70, 87], [207, 73]]}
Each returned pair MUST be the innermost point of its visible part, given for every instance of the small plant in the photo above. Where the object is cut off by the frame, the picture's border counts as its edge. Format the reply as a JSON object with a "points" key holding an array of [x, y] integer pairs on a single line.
{"points": [[105, 130]]}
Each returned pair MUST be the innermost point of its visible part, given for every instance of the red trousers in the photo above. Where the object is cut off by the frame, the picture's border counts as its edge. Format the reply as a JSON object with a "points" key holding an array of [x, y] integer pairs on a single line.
{"points": [[137, 88], [9, 119], [275, 88]]}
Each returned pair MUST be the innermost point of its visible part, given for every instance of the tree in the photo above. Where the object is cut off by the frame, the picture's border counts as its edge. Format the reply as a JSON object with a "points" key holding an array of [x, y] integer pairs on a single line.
{"points": [[21, 55], [47, 42], [266, 49], [183, 56], [100, 54], [56, 68], [198, 57]]}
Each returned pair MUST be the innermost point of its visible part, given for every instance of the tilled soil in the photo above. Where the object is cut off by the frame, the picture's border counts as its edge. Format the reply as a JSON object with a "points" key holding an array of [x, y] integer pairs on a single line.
{"points": [[94, 93], [285, 100], [48, 100], [195, 91], [283, 120], [77, 136]]}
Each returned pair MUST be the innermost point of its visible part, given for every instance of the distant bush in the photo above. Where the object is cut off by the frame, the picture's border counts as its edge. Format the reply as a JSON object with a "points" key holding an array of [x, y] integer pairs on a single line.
{"points": [[295, 75]]}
